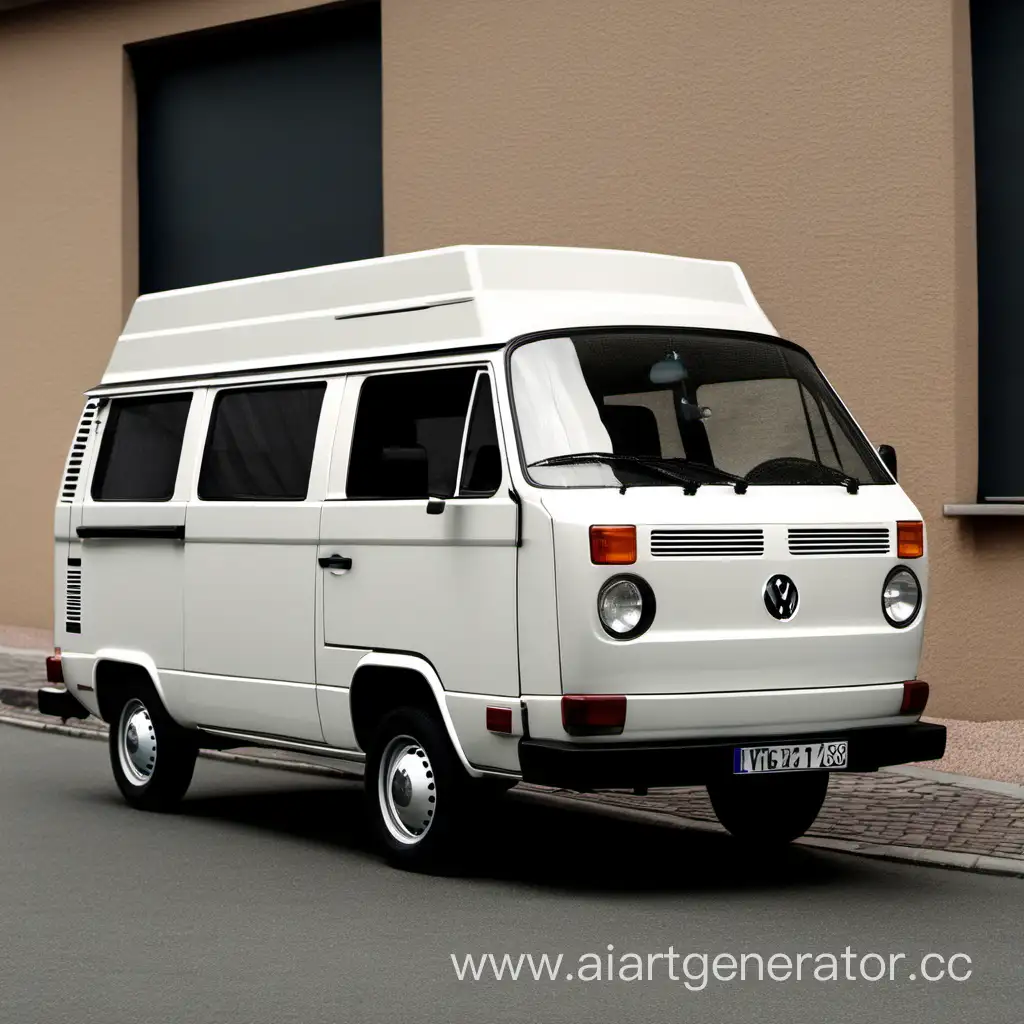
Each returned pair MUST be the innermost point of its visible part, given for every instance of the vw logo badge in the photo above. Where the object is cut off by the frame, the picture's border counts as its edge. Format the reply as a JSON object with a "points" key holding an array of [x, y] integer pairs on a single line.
{"points": [[781, 597]]}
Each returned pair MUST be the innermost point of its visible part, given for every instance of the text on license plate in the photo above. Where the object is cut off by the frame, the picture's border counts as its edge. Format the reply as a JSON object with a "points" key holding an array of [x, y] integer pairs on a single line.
{"points": [[789, 758]]}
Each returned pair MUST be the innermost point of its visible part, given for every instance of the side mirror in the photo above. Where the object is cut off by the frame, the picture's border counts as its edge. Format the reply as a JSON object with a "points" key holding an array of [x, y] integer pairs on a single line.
{"points": [[436, 501], [887, 454]]}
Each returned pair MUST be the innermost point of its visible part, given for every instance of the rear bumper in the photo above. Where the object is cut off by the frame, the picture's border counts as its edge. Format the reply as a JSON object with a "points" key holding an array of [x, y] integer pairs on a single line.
{"points": [[60, 703], [695, 762]]}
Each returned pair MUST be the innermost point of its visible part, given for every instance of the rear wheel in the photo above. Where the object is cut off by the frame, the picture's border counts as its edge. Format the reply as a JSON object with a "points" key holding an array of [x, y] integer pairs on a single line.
{"points": [[152, 757], [419, 795], [771, 809]]}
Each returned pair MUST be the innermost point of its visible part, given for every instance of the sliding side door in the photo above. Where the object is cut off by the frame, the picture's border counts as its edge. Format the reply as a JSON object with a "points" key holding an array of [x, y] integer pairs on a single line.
{"points": [[251, 558]]}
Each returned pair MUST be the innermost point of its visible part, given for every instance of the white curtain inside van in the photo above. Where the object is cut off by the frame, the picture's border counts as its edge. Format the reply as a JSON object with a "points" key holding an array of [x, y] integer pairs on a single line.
{"points": [[557, 414]]}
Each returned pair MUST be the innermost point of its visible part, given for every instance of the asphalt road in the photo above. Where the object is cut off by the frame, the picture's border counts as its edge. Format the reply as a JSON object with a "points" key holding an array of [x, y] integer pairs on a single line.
{"points": [[260, 902]]}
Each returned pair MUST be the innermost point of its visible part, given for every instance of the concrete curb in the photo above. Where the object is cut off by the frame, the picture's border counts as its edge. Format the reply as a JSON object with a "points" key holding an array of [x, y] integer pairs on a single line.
{"points": [[1004, 866]]}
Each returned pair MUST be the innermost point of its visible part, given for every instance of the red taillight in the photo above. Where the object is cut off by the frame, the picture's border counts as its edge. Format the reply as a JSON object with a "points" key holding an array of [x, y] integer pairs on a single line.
{"points": [[915, 697], [499, 720], [54, 668], [613, 545], [593, 713]]}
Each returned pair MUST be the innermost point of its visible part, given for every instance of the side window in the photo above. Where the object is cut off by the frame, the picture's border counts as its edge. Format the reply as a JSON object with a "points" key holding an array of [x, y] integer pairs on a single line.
{"points": [[260, 443], [407, 438], [481, 462], [138, 458]]}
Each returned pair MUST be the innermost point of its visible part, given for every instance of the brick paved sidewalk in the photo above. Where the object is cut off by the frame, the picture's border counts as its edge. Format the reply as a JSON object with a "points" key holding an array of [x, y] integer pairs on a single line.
{"points": [[883, 809]]}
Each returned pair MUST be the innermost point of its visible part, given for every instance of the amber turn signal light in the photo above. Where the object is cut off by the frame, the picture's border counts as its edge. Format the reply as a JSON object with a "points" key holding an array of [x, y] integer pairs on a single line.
{"points": [[613, 545], [909, 540]]}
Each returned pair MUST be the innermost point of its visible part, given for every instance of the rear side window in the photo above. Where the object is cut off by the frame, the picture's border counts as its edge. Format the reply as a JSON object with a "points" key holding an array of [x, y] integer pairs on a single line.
{"points": [[408, 434], [260, 444], [138, 459]]}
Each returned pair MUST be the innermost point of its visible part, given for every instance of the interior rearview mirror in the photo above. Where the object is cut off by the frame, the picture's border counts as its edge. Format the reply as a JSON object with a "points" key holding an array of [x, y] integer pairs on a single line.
{"points": [[887, 454]]}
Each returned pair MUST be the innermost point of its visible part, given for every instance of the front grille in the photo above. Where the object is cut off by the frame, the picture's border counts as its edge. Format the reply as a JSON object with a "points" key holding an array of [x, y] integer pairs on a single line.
{"points": [[708, 543], [840, 541], [73, 599]]}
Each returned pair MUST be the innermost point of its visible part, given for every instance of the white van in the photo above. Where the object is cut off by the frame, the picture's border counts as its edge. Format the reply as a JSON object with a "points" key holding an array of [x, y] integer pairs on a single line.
{"points": [[481, 515]]}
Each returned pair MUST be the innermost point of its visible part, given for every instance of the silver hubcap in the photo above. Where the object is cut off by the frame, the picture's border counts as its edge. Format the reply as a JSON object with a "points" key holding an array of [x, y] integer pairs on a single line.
{"points": [[406, 790], [136, 743]]}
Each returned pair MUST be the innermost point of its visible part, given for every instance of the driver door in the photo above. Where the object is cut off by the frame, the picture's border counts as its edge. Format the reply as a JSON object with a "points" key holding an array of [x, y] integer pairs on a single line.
{"points": [[441, 586]]}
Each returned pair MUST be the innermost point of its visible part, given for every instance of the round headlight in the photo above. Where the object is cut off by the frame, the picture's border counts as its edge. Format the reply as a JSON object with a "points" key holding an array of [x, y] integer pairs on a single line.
{"points": [[625, 606], [901, 597]]}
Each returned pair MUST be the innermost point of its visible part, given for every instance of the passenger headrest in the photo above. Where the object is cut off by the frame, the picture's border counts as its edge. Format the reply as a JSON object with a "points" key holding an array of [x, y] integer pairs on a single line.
{"points": [[403, 471]]}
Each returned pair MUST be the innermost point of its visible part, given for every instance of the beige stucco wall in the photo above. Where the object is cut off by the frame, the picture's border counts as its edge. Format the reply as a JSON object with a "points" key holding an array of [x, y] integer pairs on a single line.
{"points": [[824, 145]]}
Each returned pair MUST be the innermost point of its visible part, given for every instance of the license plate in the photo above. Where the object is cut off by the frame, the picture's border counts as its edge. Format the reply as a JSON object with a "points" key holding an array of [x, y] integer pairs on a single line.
{"points": [[789, 758]]}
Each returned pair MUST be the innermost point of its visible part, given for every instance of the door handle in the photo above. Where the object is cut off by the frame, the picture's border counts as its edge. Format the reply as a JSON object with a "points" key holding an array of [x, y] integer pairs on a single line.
{"points": [[335, 562]]}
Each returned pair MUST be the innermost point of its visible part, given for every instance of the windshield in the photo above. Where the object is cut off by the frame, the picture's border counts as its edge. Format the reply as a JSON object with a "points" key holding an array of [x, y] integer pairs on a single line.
{"points": [[711, 407]]}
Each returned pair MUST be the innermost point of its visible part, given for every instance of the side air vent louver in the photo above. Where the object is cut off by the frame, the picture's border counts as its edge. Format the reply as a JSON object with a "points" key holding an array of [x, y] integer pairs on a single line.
{"points": [[709, 543], [860, 541], [73, 601], [74, 466]]}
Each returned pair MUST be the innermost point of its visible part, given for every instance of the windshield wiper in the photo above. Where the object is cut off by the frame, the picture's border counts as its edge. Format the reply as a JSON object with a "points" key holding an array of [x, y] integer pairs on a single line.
{"points": [[851, 482], [702, 467], [652, 466]]}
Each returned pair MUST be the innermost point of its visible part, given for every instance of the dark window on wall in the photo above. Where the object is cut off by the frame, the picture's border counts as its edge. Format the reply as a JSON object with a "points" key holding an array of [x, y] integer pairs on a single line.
{"points": [[138, 458], [260, 444], [997, 42], [259, 147]]}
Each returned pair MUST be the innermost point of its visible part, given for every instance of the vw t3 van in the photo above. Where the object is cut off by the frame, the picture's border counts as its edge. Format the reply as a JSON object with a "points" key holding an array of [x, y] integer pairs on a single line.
{"points": [[482, 515]]}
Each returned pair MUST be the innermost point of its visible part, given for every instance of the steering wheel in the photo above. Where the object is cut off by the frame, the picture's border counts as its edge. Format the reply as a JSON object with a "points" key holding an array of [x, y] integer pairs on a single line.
{"points": [[794, 470]]}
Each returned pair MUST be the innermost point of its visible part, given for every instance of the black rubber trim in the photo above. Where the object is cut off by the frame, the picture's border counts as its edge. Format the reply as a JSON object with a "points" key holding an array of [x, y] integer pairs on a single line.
{"points": [[695, 762], [131, 532], [518, 502]]}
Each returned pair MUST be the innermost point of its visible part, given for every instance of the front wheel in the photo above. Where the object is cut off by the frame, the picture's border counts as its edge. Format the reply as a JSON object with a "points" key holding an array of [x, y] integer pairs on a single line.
{"points": [[152, 757], [419, 795], [769, 809]]}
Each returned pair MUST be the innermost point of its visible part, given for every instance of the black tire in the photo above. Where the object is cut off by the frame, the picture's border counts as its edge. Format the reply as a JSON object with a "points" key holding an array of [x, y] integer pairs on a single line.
{"points": [[770, 809], [140, 727], [423, 826]]}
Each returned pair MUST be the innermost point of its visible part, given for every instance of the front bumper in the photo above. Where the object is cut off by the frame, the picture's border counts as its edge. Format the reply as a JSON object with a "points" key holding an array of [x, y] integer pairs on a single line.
{"points": [[695, 762]]}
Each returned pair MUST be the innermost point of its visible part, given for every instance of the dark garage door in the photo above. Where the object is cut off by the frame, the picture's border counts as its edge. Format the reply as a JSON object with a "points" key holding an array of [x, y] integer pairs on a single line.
{"points": [[997, 35], [259, 147]]}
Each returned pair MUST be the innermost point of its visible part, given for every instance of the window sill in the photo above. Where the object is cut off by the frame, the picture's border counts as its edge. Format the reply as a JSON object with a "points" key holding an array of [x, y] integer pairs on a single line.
{"points": [[991, 508]]}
